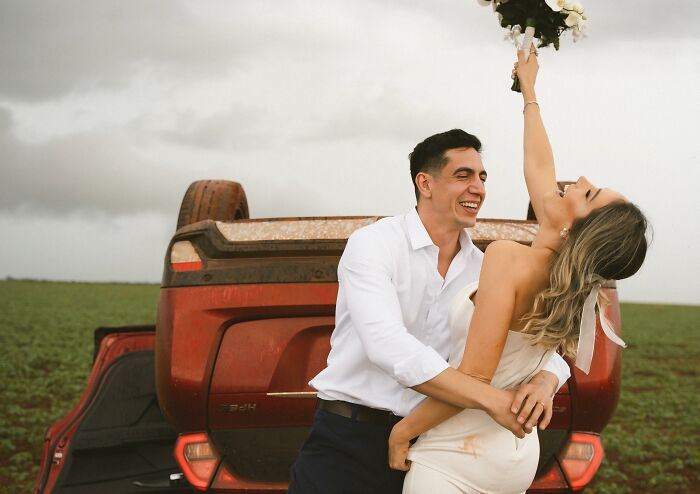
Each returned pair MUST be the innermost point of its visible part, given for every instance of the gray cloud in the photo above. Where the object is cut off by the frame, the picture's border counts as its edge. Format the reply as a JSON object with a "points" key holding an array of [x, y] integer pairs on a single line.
{"points": [[112, 108], [641, 20], [91, 172], [51, 48], [241, 127], [5, 121], [382, 117]]}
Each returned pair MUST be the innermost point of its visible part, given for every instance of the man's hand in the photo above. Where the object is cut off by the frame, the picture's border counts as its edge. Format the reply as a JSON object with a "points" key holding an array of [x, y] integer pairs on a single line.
{"points": [[533, 401], [398, 449], [500, 410]]}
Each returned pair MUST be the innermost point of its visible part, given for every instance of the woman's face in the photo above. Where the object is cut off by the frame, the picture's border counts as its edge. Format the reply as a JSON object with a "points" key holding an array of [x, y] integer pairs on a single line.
{"points": [[577, 201]]}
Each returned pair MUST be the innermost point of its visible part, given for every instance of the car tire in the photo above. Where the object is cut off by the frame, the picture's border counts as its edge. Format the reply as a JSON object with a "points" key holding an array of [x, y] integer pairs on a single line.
{"points": [[221, 200]]}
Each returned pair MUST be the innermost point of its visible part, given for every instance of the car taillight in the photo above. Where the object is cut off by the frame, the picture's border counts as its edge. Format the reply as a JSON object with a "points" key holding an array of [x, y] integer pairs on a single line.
{"points": [[197, 458], [184, 257], [225, 481], [577, 464], [200, 463], [581, 459], [552, 480]]}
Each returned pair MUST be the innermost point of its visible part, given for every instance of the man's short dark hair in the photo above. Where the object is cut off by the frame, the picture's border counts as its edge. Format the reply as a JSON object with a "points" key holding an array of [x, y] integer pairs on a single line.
{"points": [[429, 155]]}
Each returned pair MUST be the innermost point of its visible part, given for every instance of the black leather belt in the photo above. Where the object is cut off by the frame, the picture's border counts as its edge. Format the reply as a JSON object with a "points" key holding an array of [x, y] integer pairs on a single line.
{"points": [[359, 413]]}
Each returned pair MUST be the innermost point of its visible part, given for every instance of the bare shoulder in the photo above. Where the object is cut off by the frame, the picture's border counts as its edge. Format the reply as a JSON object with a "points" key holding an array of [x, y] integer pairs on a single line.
{"points": [[500, 257], [510, 258], [501, 250], [513, 273]]}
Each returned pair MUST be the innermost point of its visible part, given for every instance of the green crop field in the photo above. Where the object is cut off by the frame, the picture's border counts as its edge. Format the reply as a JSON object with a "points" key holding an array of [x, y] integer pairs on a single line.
{"points": [[46, 333], [653, 441]]}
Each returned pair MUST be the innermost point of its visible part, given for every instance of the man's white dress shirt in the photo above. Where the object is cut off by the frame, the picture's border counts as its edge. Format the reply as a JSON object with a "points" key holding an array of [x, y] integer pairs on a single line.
{"points": [[391, 329]]}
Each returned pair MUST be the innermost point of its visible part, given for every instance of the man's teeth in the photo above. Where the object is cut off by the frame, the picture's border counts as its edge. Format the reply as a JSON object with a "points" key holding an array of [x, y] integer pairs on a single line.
{"points": [[470, 205]]}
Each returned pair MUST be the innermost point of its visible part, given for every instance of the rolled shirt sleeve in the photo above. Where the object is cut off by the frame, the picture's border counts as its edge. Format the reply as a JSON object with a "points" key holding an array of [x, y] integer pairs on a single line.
{"points": [[365, 275], [558, 366]]}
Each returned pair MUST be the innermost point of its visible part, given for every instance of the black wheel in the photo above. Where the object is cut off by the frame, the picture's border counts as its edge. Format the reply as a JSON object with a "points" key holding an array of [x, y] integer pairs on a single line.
{"points": [[221, 200]]}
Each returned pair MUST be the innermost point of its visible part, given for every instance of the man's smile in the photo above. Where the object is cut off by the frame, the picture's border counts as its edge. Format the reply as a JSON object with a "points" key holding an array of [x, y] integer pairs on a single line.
{"points": [[471, 206]]}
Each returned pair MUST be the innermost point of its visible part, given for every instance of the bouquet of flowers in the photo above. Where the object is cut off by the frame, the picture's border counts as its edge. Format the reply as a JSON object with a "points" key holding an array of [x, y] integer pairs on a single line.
{"points": [[545, 20]]}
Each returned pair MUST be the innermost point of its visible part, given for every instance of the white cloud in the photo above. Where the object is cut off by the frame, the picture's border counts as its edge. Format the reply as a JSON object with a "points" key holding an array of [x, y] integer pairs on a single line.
{"points": [[314, 107], [127, 248]]}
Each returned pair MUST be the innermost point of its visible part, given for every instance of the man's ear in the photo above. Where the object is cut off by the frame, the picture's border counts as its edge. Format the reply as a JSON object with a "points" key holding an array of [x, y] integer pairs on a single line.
{"points": [[423, 182]]}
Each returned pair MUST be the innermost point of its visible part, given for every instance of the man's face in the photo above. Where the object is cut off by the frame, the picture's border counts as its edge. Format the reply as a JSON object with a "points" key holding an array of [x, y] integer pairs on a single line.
{"points": [[458, 190]]}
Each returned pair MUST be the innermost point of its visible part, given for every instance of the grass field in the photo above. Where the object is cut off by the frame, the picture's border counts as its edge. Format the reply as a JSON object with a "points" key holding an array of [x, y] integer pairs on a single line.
{"points": [[46, 335], [652, 444]]}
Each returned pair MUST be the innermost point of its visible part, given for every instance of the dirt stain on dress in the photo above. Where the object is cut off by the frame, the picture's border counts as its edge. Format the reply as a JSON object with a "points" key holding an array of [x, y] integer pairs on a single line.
{"points": [[469, 445]]}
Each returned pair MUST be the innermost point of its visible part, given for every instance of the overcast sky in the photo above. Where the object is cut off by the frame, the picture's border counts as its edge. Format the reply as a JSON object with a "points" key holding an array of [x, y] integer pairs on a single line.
{"points": [[109, 109]]}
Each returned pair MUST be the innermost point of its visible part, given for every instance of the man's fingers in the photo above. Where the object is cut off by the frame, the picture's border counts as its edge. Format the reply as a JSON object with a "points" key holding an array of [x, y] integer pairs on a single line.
{"points": [[508, 421], [537, 410], [547, 417], [518, 431], [526, 409], [518, 399]]}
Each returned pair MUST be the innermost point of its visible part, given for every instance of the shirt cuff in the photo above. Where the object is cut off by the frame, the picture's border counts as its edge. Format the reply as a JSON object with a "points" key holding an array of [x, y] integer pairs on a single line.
{"points": [[419, 368], [558, 366]]}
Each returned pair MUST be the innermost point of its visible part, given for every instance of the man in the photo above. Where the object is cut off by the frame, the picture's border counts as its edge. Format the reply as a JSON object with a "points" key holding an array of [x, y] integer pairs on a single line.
{"points": [[389, 348]]}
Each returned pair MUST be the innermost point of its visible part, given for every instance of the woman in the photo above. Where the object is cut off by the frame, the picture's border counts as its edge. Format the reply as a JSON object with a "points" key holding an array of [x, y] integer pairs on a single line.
{"points": [[529, 302]]}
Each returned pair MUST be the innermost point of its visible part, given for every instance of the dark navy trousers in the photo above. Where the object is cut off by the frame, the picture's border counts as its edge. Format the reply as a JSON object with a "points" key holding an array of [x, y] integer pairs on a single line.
{"points": [[342, 455]]}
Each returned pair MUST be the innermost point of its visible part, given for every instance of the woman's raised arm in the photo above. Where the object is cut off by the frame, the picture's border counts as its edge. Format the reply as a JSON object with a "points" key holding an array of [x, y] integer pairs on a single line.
{"points": [[538, 159]]}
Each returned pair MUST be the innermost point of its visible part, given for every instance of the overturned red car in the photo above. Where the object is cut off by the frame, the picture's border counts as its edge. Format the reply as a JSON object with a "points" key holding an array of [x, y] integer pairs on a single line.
{"points": [[214, 397]]}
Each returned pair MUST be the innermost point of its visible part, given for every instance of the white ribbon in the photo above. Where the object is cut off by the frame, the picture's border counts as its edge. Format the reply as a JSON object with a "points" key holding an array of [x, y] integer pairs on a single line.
{"points": [[586, 338]]}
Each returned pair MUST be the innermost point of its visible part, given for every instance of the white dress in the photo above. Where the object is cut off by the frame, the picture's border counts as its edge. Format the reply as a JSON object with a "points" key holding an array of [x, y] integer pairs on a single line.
{"points": [[470, 452]]}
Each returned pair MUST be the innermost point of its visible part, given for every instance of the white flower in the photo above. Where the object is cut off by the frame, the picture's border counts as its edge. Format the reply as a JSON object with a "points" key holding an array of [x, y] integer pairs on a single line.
{"points": [[555, 5], [572, 9], [578, 34], [574, 6], [575, 17], [513, 35], [493, 3]]}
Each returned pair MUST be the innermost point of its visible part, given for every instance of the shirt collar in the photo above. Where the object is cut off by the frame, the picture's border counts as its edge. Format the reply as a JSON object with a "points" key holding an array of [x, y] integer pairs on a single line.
{"points": [[420, 238], [465, 241], [416, 230]]}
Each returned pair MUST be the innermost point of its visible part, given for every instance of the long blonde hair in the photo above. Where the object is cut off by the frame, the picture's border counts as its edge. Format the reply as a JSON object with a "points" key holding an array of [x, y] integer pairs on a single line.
{"points": [[609, 243]]}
